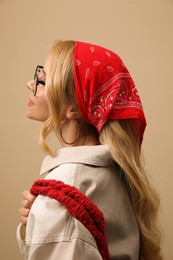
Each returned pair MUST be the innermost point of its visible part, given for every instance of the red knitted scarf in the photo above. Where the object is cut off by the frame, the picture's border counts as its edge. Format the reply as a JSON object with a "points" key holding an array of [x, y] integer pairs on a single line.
{"points": [[79, 206]]}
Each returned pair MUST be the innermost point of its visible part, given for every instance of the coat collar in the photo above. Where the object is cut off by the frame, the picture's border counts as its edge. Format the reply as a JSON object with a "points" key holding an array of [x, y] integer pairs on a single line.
{"points": [[97, 155]]}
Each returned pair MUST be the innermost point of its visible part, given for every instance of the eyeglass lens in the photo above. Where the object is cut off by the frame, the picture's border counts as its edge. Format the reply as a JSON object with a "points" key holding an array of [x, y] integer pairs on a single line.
{"points": [[37, 74]]}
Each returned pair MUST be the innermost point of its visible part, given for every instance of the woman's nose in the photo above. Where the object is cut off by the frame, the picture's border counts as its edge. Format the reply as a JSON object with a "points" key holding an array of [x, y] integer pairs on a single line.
{"points": [[30, 84]]}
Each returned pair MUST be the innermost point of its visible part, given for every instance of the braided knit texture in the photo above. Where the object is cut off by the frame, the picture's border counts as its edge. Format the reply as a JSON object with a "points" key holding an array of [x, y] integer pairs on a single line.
{"points": [[79, 206]]}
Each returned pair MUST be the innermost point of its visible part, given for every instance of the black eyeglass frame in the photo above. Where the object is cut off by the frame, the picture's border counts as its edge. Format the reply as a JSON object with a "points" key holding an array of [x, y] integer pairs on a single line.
{"points": [[36, 79]]}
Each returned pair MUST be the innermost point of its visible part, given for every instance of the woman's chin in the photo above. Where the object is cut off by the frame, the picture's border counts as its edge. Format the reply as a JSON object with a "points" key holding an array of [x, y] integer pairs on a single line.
{"points": [[32, 116]]}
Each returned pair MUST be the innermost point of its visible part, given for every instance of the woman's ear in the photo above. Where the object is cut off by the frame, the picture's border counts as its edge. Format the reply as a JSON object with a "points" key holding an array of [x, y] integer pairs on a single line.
{"points": [[71, 113]]}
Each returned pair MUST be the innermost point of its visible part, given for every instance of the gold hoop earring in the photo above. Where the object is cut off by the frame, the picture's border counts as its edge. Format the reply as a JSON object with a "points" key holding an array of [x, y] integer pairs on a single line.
{"points": [[62, 124]]}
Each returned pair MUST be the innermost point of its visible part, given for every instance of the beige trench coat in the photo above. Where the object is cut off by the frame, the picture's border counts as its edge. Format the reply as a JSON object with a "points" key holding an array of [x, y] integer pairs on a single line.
{"points": [[53, 234]]}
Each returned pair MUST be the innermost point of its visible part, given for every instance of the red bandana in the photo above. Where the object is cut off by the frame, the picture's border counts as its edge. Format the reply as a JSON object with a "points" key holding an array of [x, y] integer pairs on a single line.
{"points": [[104, 87]]}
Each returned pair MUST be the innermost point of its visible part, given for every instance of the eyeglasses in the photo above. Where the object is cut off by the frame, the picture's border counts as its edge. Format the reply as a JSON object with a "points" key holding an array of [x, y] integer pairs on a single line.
{"points": [[38, 73]]}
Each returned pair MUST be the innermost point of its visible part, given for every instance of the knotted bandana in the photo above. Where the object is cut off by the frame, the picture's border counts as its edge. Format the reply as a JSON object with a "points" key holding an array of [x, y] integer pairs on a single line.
{"points": [[104, 87]]}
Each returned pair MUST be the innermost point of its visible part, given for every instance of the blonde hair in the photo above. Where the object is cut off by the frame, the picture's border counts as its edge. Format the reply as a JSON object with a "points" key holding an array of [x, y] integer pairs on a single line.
{"points": [[60, 89], [121, 138]]}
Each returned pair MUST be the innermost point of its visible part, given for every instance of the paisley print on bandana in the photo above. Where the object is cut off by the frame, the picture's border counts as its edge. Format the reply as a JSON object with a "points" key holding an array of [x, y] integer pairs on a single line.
{"points": [[104, 87]]}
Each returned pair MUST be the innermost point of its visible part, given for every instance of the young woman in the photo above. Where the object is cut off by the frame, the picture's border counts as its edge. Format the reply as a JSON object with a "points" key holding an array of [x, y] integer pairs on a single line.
{"points": [[96, 201]]}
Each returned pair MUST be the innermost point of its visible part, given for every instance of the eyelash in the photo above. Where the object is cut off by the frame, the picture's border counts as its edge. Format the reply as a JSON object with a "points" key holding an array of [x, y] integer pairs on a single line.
{"points": [[41, 82]]}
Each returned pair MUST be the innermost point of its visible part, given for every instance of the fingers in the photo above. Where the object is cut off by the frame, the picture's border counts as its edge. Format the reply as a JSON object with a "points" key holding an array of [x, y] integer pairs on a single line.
{"points": [[28, 196], [26, 203], [24, 215]]}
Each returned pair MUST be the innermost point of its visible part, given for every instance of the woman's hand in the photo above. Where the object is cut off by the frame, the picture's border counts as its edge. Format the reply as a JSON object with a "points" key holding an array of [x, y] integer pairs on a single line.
{"points": [[26, 203]]}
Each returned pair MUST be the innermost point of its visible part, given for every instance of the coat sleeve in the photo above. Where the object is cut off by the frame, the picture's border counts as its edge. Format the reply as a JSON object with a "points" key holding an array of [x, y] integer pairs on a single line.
{"points": [[55, 234], [20, 233], [75, 249]]}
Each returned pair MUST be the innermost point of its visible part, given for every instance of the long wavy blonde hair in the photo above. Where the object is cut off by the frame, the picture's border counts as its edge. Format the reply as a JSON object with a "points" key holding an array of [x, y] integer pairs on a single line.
{"points": [[119, 135]]}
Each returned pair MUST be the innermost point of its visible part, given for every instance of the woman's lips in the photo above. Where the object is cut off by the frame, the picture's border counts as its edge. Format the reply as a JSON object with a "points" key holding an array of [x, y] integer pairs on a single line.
{"points": [[30, 103]]}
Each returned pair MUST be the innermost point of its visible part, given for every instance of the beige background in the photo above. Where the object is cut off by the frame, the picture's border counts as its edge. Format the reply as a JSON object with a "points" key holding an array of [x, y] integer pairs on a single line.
{"points": [[140, 31]]}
